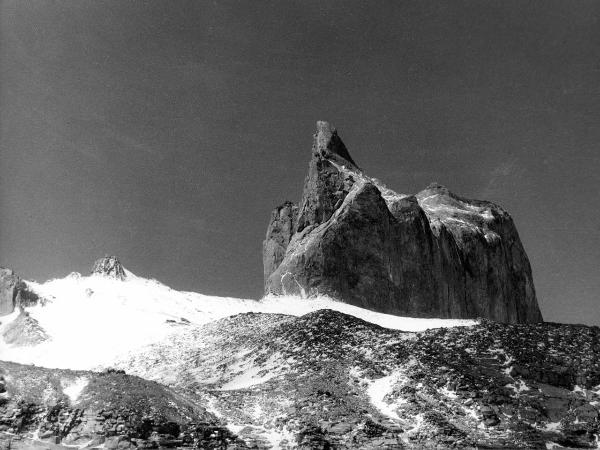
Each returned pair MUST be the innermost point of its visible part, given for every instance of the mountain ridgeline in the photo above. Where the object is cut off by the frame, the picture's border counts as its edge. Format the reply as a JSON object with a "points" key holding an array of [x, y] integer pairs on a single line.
{"points": [[433, 254]]}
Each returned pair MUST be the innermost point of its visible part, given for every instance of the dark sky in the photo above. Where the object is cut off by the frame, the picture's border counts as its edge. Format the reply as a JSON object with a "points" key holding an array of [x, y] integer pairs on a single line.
{"points": [[165, 132]]}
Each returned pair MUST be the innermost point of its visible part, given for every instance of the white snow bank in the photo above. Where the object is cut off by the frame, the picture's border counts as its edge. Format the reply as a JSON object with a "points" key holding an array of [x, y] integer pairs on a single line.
{"points": [[94, 320], [74, 389], [91, 320], [298, 306]]}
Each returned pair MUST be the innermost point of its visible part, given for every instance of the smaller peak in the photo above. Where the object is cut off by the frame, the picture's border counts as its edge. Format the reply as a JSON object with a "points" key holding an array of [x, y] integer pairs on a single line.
{"points": [[109, 266], [327, 143], [435, 186]]}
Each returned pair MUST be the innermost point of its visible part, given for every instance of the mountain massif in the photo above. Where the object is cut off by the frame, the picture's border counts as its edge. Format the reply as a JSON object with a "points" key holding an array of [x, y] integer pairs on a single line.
{"points": [[391, 321], [433, 254]]}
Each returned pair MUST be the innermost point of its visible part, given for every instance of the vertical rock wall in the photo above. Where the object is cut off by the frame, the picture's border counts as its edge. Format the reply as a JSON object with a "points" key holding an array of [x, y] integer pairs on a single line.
{"points": [[433, 254]]}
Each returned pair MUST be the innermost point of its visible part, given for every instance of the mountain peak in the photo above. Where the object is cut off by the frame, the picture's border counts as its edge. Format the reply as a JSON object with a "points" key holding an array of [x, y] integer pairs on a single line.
{"points": [[327, 143], [355, 240], [435, 186], [109, 266]]}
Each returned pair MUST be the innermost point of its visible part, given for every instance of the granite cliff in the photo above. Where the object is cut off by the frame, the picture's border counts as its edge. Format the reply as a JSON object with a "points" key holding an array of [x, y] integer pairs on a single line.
{"points": [[433, 254]]}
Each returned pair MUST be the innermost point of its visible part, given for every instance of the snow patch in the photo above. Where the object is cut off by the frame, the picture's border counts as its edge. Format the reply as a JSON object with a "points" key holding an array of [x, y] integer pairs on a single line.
{"points": [[448, 393], [518, 386], [380, 388], [298, 306], [6, 320], [552, 426], [74, 389], [254, 375]]}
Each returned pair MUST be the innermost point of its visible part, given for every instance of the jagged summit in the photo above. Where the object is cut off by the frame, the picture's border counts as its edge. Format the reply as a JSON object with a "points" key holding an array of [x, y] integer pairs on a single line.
{"points": [[433, 254], [327, 143], [109, 266]]}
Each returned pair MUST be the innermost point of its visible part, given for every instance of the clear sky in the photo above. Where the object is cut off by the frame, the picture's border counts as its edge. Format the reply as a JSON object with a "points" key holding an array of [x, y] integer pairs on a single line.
{"points": [[165, 132]]}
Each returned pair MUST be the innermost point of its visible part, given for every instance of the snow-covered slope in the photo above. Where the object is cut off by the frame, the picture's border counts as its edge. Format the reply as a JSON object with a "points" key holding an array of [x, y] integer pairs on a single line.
{"points": [[91, 321]]}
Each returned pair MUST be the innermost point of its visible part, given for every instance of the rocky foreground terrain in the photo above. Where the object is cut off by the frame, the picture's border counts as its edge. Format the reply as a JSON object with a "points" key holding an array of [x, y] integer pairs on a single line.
{"points": [[321, 380], [329, 379]]}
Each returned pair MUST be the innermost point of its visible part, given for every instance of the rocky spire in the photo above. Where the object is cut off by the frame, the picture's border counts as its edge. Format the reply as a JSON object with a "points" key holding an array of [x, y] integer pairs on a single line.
{"points": [[434, 254], [328, 144], [109, 266]]}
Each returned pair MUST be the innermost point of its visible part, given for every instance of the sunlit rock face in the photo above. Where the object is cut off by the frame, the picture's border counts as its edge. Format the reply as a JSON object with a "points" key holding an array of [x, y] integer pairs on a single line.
{"points": [[14, 292], [9, 285], [433, 254]]}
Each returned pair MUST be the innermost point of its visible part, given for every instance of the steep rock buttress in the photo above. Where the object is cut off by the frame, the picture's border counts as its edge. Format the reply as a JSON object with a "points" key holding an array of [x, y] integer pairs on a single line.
{"points": [[433, 254]]}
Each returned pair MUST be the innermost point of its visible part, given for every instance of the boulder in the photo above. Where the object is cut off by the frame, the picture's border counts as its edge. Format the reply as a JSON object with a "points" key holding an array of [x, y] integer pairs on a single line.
{"points": [[433, 254]]}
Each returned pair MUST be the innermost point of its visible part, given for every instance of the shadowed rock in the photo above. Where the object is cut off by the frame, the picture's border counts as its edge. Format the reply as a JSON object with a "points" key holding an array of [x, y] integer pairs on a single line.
{"points": [[281, 229], [433, 254]]}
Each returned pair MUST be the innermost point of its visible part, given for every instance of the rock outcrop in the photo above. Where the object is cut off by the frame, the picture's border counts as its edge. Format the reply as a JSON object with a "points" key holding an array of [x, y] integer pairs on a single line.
{"points": [[433, 254], [280, 231], [9, 288], [24, 331], [109, 266], [13, 292]]}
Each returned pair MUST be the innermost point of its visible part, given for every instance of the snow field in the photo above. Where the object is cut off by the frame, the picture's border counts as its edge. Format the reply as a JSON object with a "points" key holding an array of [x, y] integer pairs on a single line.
{"points": [[92, 321]]}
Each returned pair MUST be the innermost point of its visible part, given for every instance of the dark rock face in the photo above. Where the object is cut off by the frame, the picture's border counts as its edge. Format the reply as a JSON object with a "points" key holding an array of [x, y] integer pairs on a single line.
{"points": [[433, 254], [13, 292], [109, 266]]}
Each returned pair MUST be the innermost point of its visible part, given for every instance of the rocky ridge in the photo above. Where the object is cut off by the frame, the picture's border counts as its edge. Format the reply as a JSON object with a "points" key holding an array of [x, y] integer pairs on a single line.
{"points": [[433, 254], [329, 380]]}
